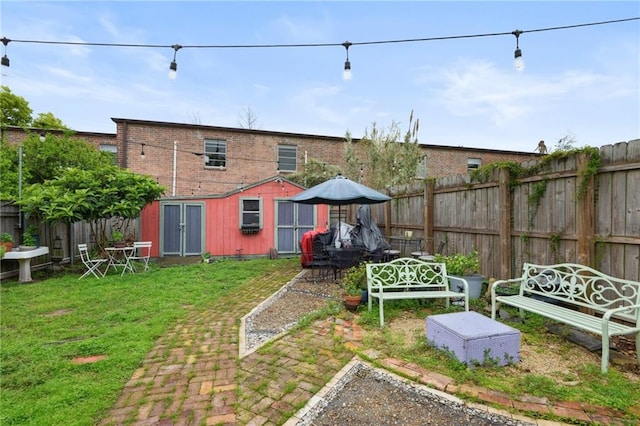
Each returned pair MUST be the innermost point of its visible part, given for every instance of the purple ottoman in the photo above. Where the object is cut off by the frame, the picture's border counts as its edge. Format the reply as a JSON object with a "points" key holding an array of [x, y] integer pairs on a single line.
{"points": [[474, 339]]}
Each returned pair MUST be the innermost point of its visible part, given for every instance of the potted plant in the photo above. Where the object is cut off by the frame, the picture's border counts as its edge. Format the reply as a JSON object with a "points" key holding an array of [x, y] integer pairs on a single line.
{"points": [[30, 238], [6, 241], [354, 283], [118, 238], [466, 266]]}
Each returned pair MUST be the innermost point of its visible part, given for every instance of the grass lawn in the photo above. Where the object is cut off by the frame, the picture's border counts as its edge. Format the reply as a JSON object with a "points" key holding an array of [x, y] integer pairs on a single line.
{"points": [[45, 325]]}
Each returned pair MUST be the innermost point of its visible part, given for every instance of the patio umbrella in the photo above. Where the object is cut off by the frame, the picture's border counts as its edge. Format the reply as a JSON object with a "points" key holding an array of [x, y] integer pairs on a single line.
{"points": [[340, 191]]}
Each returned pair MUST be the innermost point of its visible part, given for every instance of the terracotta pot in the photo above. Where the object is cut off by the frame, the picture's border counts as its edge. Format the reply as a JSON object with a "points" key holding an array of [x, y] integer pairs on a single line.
{"points": [[8, 246], [352, 302]]}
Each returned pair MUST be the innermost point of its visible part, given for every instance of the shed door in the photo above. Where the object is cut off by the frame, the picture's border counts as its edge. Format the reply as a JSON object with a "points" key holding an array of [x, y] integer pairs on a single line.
{"points": [[293, 220], [182, 229]]}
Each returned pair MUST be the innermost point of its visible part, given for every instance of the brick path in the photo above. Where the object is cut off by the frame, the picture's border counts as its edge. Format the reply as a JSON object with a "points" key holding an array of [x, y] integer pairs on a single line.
{"points": [[193, 376]]}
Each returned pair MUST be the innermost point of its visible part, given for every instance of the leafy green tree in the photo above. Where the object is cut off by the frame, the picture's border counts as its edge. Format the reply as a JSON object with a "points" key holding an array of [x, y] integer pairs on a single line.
{"points": [[8, 171], [106, 197], [46, 120], [313, 173], [387, 159], [14, 110], [44, 160]]}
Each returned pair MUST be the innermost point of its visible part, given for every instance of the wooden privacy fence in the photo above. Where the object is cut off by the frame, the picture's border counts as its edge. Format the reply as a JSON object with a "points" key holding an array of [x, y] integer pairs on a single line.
{"points": [[70, 236], [562, 213]]}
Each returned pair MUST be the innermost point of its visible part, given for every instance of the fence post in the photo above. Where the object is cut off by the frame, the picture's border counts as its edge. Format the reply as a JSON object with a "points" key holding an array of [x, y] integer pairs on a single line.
{"points": [[585, 211], [387, 219], [429, 215], [505, 224]]}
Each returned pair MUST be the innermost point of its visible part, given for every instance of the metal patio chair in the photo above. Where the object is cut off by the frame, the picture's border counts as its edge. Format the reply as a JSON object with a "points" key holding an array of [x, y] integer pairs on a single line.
{"points": [[92, 265], [141, 253]]}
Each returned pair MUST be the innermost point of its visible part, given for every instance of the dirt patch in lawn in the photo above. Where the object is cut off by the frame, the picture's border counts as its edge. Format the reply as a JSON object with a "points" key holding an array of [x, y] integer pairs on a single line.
{"points": [[558, 359]]}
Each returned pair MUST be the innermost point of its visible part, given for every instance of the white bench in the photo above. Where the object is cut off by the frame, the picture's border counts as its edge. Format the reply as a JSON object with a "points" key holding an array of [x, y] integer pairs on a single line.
{"points": [[578, 296], [408, 278]]}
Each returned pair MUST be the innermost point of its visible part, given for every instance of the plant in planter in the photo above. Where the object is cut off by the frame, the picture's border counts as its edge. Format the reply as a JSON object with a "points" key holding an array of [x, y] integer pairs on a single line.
{"points": [[354, 283], [3, 250], [29, 237], [6, 241], [466, 266], [118, 238]]}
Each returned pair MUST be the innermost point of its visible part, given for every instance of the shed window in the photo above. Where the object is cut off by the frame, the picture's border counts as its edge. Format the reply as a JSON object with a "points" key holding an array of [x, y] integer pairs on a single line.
{"points": [[251, 213], [215, 151], [287, 155]]}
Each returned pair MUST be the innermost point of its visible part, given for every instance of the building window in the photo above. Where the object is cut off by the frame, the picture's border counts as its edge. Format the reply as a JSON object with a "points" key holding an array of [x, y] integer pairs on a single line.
{"points": [[215, 153], [473, 163], [112, 149], [250, 214], [287, 155]]}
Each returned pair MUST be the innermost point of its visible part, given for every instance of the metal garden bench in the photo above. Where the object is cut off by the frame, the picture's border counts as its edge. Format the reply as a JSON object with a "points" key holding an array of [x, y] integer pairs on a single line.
{"points": [[409, 278], [578, 296]]}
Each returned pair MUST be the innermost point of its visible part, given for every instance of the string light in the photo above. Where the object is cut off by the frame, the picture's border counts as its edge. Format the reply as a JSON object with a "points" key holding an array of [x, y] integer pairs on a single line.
{"points": [[518, 63], [173, 66], [5, 59], [347, 64]]}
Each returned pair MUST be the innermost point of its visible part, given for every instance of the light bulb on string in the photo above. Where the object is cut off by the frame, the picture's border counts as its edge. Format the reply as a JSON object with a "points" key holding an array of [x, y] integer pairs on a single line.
{"points": [[346, 74], [518, 62]]}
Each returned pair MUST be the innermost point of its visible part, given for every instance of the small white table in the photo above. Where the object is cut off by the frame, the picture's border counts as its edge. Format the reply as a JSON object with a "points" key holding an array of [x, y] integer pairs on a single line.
{"points": [[24, 261], [119, 256]]}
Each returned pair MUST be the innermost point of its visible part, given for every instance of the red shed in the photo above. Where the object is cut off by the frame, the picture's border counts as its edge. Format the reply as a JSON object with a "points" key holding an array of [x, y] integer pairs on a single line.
{"points": [[249, 221]]}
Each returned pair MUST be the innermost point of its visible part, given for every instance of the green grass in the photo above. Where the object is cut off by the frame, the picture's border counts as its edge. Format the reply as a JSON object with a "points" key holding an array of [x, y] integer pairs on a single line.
{"points": [[46, 324]]}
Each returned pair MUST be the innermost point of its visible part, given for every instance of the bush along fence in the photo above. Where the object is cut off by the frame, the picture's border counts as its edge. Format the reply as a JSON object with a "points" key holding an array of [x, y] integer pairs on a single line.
{"points": [[578, 206]]}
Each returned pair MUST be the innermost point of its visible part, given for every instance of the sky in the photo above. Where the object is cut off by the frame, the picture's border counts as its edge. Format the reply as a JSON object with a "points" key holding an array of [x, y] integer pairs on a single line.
{"points": [[582, 83]]}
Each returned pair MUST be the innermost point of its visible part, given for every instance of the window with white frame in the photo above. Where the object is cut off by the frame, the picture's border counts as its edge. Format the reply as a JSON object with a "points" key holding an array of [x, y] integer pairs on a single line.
{"points": [[473, 163], [251, 213], [287, 155], [215, 153]]}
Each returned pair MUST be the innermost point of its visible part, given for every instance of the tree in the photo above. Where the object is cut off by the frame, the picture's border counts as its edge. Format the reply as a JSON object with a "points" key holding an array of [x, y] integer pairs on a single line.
{"points": [[44, 160], [248, 119], [313, 173], [387, 159], [14, 110], [106, 197], [46, 120], [565, 143]]}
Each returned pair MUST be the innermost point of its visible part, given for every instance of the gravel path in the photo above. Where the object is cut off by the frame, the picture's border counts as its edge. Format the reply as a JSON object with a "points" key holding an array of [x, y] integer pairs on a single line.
{"points": [[373, 397]]}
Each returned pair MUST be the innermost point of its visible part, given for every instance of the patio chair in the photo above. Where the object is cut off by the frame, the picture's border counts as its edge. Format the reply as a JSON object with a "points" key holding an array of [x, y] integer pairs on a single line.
{"points": [[92, 265], [141, 253], [320, 262]]}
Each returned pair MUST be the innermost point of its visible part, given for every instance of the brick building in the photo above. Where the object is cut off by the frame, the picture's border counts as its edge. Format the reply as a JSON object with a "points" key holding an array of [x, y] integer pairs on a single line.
{"points": [[198, 160]]}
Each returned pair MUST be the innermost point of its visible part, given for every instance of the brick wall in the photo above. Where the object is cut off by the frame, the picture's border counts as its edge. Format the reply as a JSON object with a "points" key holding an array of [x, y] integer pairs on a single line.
{"points": [[251, 154]]}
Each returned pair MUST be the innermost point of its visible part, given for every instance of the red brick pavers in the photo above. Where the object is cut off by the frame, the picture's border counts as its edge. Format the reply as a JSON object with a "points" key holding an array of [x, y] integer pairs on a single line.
{"points": [[190, 377]]}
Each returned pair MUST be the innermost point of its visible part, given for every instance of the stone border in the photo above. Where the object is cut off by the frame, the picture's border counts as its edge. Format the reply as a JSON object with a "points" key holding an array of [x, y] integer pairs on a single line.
{"points": [[307, 414]]}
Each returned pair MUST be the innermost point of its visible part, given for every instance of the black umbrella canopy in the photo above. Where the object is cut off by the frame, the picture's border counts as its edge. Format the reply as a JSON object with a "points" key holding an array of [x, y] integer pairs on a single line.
{"points": [[340, 191]]}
